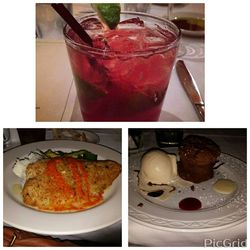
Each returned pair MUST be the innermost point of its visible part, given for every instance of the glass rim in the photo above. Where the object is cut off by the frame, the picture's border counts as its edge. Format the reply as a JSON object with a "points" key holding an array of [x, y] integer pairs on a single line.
{"points": [[106, 52]]}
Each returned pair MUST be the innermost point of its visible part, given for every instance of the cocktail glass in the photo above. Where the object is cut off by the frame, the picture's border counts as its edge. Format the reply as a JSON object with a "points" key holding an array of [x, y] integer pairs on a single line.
{"points": [[125, 75]]}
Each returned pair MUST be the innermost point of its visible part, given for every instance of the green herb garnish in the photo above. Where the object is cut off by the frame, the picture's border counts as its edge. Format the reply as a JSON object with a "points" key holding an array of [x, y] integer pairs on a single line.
{"points": [[109, 13]]}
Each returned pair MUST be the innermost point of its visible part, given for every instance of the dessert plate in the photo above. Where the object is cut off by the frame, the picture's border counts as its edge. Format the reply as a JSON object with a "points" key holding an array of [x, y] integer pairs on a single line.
{"points": [[217, 211]]}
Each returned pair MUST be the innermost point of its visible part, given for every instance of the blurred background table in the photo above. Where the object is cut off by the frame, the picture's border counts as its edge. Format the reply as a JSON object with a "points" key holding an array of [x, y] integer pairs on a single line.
{"points": [[55, 91]]}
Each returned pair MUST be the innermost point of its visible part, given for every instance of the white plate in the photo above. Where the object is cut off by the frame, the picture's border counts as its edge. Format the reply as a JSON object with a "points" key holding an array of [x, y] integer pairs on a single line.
{"points": [[66, 134], [91, 136], [217, 210], [18, 215]]}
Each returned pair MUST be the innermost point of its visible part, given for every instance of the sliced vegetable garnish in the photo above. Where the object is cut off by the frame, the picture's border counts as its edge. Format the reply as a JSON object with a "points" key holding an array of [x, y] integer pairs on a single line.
{"points": [[79, 154]]}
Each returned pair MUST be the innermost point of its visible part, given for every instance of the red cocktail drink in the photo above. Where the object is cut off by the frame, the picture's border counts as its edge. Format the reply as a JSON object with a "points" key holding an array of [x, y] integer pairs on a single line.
{"points": [[125, 75]]}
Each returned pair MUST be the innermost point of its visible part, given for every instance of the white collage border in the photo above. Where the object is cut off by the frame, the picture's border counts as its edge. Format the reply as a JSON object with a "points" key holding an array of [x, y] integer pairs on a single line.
{"points": [[226, 75]]}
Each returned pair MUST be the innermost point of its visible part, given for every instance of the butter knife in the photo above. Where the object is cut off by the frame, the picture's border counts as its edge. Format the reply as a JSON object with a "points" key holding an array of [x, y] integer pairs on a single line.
{"points": [[191, 88]]}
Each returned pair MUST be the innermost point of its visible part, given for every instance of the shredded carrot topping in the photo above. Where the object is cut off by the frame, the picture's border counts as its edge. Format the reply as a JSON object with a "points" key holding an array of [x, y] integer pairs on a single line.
{"points": [[74, 167], [80, 176], [57, 177]]}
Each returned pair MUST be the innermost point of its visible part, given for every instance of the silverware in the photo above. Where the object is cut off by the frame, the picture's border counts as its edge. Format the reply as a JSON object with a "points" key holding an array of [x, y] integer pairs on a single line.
{"points": [[191, 88]]}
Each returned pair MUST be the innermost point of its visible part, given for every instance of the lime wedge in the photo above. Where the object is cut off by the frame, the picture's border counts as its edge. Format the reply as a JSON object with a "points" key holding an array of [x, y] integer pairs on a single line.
{"points": [[109, 13]]}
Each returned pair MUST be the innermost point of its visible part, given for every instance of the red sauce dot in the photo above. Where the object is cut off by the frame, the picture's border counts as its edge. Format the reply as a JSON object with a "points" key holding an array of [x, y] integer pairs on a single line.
{"points": [[190, 204]]}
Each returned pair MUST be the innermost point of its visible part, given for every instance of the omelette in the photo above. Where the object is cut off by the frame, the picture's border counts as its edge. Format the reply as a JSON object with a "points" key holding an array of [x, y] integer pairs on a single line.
{"points": [[65, 184]]}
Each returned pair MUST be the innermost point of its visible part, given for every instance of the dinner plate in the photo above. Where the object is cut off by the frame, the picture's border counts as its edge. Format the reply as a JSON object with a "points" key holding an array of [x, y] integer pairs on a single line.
{"points": [[218, 210], [16, 214], [73, 134]]}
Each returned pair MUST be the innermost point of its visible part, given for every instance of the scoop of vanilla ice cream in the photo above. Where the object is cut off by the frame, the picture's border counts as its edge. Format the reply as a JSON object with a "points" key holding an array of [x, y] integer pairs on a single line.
{"points": [[158, 167], [159, 170]]}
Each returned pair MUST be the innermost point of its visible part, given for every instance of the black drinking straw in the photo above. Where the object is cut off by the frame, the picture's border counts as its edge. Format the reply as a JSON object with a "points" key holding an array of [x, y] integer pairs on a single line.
{"points": [[71, 21]]}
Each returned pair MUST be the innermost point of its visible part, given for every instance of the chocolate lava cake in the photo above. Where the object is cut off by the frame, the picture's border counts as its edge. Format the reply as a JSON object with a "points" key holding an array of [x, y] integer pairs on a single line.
{"points": [[198, 155]]}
